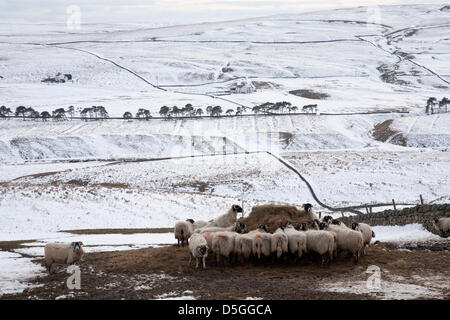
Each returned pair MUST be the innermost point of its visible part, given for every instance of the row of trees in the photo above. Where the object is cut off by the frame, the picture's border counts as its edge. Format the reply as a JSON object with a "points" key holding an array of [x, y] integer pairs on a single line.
{"points": [[59, 114], [435, 106], [99, 112]]}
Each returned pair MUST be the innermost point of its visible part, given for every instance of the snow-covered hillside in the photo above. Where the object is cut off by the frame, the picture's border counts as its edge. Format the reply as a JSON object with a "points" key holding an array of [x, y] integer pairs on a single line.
{"points": [[370, 142]]}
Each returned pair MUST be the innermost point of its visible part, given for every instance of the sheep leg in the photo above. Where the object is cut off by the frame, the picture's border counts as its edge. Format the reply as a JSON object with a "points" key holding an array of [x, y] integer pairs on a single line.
{"points": [[196, 262], [217, 259], [204, 265], [179, 242], [190, 258]]}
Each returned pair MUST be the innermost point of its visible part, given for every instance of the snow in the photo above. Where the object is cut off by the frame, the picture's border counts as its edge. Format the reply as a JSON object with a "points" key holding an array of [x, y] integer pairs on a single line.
{"points": [[58, 176], [15, 271], [414, 232]]}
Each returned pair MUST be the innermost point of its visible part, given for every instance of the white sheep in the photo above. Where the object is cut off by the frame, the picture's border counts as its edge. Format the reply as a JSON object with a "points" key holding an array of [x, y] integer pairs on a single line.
{"points": [[199, 224], [208, 232], [64, 253], [183, 230], [296, 240], [442, 225], [223, 244], [237, 227], [244, 246], [262, 241], [226, 219], [322, 242], [198, 249], [366, 232], [346, 238], [279, 243]]}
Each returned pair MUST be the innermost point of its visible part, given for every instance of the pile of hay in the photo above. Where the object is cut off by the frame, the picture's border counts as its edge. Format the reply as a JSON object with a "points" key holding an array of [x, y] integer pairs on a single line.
{"points": [[275, 216]]}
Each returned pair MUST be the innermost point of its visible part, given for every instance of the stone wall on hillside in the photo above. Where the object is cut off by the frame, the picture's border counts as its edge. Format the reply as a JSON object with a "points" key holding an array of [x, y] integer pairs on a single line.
{"points": [[423, 214]]}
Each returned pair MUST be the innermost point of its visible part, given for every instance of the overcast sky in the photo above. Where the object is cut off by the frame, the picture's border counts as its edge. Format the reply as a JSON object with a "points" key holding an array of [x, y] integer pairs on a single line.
{"points": [[161, 12]]}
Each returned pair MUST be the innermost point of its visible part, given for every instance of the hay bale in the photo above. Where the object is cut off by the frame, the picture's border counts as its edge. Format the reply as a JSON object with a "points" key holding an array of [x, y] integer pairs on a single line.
{"points": [[274, 216]]}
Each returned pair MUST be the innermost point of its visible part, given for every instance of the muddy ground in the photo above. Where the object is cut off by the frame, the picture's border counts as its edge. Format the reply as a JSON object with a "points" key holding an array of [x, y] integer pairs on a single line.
{"points": [[154, 272]]}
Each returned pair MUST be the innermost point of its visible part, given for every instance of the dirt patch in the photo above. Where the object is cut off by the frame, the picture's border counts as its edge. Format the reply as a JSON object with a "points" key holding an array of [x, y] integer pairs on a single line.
{"points": [[274, 216], [265, 85], [12, 245], [383, 132], [309, 94], [389, 74], [200, 186], [151, 272]]}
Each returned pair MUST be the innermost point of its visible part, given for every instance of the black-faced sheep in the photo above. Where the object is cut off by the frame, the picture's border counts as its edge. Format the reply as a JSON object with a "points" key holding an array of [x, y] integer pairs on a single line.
{"points": [[262, 241], [309, 211], [366, 232], [322, 242], [198, 249], [296, 240], [226, 219], [244, 246], [347, 239], [442, 225], [223, 244], [64, 253], [183, 230], [279, 244]]}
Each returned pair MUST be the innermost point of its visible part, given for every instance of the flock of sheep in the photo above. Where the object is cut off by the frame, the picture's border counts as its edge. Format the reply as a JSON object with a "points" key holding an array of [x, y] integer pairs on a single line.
{"points": [[224, 237]]}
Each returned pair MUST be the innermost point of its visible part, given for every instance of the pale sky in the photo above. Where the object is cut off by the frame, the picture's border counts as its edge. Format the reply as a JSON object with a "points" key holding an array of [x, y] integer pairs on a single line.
{"points": [[161, 12]]}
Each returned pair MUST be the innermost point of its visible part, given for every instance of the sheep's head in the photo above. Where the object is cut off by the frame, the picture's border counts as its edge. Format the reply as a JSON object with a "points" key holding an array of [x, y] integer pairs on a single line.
{"points": [[307, 207], [236, 208], [239, 227], [76, 246], [355, 226], [203, 250], [289, 225], [323, 226], [301, 227], [190, 220], [262, 227], [435, 220], [336, 222], [327, 219]]}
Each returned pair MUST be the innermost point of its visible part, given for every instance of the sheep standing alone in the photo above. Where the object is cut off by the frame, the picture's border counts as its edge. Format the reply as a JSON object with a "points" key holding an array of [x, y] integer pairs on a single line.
{"points": [[198, 249], [296, 240], [183, 230], [347, 239], [226, 219], [279, 242], [366, 232], [442, 225], [64, 253]]}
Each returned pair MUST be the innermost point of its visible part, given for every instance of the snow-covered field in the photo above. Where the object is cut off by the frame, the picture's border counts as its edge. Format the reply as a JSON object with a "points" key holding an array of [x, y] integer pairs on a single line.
{"points": [[62, 176]]}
